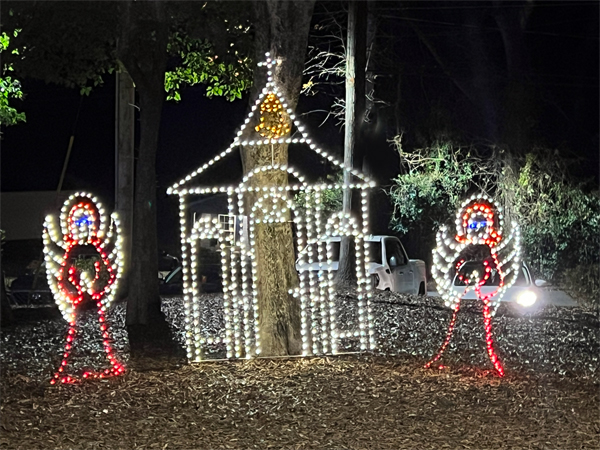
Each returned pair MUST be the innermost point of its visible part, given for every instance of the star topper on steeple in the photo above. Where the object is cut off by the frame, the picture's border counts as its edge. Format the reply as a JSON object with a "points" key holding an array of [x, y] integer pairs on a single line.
{"points": [[269, 63]]}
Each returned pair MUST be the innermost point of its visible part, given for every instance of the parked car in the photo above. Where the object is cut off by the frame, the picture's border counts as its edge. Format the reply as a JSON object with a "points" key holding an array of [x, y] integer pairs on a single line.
{"points": [[525, 292], [172, 283], [166, 264], [389, 267], [209, 274], [30, 290]]}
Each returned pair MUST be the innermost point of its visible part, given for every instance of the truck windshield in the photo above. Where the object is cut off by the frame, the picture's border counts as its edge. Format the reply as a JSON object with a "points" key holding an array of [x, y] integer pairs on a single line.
{"points": [[373, 251]]}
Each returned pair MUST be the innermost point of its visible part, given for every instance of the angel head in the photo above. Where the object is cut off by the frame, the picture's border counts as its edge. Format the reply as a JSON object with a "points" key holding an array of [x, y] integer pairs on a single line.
{"points": [[83, 222], [479, 221]]}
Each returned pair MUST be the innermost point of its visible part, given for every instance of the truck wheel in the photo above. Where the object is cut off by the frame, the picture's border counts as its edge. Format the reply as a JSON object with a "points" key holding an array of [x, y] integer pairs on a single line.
{"points": [[422, 289], [374, 281]]}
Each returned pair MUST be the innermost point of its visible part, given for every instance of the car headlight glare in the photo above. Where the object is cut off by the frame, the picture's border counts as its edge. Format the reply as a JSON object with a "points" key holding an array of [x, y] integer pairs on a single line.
{"points": [[527, 298]]}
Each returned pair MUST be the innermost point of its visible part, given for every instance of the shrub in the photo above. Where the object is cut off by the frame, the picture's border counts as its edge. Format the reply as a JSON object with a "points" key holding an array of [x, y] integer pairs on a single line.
{"points": [[331, 199], [560, 221], [436, 181], [427, 194], [583, 283]]}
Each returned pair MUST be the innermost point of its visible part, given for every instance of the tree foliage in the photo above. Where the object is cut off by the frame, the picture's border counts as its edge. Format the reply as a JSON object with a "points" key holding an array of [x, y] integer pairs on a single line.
{"points": [[198, 63], [10, 87], [66, 43], [73, 44]]}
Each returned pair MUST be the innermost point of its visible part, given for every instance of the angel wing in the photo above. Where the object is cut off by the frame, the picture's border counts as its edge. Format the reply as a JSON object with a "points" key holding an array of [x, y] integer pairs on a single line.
{"points": [[444, 257], [54, 250], [509, 262], [113, 246]]}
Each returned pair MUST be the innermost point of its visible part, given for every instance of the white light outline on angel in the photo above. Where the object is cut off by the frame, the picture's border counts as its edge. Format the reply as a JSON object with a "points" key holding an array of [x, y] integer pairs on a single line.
{"points": [[82, 223], [479, 222]]}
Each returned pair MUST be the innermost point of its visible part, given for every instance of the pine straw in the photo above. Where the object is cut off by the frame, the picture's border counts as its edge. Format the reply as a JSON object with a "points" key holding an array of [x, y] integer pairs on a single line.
{"points": [[339, 402]]}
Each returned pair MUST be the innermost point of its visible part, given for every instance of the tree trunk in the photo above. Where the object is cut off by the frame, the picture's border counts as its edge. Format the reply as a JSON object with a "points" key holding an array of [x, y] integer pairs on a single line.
{"points": [[482, 72], [519, 113], [281, 28], [371, 35], [6, 315], [124, 179], [142, 50], [354, 118]]}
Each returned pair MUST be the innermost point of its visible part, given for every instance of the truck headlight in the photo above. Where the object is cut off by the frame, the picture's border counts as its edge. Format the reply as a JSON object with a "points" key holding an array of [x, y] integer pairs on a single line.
{"points": [[527, 298]]}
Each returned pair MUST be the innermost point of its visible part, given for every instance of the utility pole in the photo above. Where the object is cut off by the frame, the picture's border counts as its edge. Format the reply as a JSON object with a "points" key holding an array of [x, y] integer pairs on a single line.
{"points": [[350, 113], [354, 116], [124, 159]]}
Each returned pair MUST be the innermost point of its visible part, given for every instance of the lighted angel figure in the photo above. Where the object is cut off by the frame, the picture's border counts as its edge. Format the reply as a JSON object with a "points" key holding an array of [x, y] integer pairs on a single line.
{"points": [[480, 237], [83, 264]]}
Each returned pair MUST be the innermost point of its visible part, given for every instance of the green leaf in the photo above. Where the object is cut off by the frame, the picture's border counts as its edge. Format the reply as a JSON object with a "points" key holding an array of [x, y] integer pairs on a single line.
{"points": [[198, 65]]}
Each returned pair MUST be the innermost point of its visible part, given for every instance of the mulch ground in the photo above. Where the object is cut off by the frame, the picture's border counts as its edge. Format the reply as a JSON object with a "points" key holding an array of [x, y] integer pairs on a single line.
{"points": [[549, 398], [342, 402]]}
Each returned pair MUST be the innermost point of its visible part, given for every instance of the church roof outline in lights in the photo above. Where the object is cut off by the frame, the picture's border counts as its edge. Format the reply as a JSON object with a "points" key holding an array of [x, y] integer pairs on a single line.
{"points": [[297, 135]]}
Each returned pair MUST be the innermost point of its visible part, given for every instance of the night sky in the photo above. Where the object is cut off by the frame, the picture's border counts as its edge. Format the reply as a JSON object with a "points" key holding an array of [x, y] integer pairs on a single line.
{"points": [[192, 131], [564, 55]]}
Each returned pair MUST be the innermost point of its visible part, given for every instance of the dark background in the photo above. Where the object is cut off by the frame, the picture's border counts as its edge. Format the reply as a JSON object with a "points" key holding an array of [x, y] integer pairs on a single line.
{"points": [[562, 40]]}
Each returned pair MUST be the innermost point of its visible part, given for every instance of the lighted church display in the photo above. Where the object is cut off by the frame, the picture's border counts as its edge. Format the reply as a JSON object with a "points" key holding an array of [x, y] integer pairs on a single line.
{"points": [[272, 122]]}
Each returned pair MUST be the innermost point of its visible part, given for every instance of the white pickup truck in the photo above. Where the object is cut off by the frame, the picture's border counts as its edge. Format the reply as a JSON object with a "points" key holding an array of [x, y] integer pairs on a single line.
{"points": [[389, 266]]}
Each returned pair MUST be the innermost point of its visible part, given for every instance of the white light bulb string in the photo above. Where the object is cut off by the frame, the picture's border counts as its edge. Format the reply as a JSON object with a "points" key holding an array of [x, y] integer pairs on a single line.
{"points": [[239, 256]]}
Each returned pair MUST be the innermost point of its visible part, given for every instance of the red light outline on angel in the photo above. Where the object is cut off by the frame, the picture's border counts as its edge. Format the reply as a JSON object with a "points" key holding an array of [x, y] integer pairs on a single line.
{"points": [[479, 222], [83, 224]]}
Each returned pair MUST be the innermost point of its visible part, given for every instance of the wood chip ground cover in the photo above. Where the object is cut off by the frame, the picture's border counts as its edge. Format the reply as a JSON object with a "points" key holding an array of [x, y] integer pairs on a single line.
{"points": [[353, 401]]}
